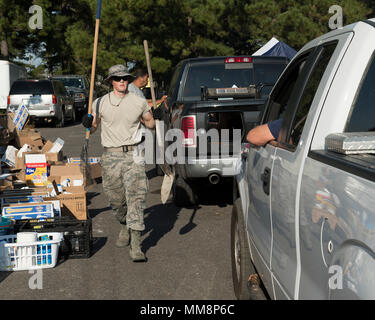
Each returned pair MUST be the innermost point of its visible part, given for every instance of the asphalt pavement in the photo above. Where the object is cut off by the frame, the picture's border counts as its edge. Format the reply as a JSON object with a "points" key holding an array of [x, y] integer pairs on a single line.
{"points": [[188, 250]]}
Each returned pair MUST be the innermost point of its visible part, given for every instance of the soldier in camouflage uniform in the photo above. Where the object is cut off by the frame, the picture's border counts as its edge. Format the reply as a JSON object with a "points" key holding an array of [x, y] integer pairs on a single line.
{"points": [[124, 179]]}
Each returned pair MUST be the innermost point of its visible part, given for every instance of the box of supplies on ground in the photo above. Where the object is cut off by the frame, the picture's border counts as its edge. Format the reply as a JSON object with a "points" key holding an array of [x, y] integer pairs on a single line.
{"points": [[73, 202], [20, 117], [37, 169], [29, 211], [94, 165], [77, 160], [5, 201], [9, 156]]}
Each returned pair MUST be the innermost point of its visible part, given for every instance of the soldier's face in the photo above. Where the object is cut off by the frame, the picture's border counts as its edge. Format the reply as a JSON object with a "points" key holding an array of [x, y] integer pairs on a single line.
{"points": [[144, 81], [119, 85]]}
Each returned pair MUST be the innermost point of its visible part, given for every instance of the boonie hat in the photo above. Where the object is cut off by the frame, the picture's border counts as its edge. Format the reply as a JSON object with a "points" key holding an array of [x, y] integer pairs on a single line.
{"points": [[118, 70]]}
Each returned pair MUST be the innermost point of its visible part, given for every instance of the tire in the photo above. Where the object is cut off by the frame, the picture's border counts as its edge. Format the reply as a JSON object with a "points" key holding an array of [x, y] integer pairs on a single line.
{"points": [[74, 117], [183, 194], [60, 123], [240, 256]]}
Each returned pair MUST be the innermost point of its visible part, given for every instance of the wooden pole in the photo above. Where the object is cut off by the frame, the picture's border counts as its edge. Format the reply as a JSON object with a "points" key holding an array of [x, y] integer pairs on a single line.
{"points": [[145, 44]]}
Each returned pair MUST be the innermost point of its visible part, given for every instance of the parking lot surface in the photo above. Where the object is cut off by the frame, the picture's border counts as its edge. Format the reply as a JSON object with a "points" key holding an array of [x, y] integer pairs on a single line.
{"points": [[188, 250]]}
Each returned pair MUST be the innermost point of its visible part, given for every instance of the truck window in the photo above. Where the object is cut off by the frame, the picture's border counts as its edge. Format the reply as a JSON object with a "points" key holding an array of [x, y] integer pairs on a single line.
{"points": [[31, 87], [309, 93], [267, 74], [214, 76], [174, 79], [71, 82], [283, 91], [362, 115]]}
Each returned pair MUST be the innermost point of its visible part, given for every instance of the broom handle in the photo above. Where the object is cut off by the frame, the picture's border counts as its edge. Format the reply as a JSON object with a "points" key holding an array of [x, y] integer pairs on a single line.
{"points": [[145, 44], [98, 9]]}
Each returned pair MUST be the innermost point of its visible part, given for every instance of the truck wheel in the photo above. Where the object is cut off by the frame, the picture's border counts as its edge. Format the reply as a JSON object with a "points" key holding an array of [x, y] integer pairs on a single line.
{"points": [[74, 117], [241, 263], [183, 194], [60, 123]]}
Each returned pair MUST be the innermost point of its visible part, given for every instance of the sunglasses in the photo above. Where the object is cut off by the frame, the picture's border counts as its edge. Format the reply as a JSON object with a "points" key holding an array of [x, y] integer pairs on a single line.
{"points": [[118, 79]]}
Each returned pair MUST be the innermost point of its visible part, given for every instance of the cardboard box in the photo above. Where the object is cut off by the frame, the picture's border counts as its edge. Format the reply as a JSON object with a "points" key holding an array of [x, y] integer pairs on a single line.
{"points": [[20, 117], [68, 171], [11, 200], [37, 169], [73, 203], [9, 156], [50, 157], [94, 163], [29, 211], [31, 137], [77, 160], [25, 192], [57, 146]]}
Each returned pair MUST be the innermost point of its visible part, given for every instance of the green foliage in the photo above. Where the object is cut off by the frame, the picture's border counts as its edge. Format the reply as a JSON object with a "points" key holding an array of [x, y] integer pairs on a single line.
{"points": [[174, 29]]}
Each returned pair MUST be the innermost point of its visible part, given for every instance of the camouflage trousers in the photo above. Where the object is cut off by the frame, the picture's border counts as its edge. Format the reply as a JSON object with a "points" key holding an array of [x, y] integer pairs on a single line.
{"points": [[125, 184]]}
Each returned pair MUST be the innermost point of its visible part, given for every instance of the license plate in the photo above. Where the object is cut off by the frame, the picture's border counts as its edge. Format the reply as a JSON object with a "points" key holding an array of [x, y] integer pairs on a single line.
{"points": [[35, 100]]}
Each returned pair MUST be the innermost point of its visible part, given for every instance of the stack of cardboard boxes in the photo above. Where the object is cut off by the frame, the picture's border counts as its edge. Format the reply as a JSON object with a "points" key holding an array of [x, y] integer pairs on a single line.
{"points": [[38, 181]]}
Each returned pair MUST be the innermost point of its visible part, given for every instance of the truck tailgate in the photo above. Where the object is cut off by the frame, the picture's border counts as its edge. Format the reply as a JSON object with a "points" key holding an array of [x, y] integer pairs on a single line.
{"points": [[220, 121]]}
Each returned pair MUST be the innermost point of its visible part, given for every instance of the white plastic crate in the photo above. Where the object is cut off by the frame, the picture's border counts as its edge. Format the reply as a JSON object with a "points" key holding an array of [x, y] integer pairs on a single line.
{"points": [[40, 254]]}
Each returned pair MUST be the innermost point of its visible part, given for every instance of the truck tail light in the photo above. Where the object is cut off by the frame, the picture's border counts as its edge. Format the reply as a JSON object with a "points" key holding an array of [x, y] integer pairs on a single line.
{"points": [[239, 60], [8, 100], [188, 127], [54, 99]]}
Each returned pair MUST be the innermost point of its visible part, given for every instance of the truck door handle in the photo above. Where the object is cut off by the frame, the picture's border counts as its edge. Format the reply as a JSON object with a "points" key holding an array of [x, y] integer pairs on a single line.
{"points": [[266, 177]]}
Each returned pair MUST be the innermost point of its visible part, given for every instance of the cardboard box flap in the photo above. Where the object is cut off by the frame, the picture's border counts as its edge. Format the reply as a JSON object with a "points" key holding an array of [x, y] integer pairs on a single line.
{"points": [[47, 146]]}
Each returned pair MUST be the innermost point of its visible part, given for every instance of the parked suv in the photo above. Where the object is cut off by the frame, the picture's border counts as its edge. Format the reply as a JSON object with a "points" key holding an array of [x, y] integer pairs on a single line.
{"points": [[79, 87], [215, 94], [45, 100]]}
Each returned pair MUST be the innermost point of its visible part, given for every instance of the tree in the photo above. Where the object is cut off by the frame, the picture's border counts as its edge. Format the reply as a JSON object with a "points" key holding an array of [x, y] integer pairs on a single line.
{"points": [[14, 31], [297, 24]]}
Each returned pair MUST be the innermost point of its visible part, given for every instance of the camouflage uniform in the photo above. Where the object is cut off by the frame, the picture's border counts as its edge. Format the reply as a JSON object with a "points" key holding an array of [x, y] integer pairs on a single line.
{"points": [[125, 184]]}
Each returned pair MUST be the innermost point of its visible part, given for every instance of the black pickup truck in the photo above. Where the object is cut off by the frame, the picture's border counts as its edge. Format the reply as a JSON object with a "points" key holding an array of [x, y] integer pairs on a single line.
{"points": [[215, 93]]}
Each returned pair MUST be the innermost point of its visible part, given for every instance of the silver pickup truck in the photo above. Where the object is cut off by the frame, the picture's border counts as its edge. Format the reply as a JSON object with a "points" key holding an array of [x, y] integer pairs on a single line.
{"points": [[303, 220]]}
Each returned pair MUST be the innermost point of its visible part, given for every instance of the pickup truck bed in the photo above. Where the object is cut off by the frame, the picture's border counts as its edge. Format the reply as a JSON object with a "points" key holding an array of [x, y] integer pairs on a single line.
{"points": [[219, 99]]}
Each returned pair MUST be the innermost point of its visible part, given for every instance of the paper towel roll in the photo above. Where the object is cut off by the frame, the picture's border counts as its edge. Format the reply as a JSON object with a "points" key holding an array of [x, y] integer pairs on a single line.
{"points": [[27, 237]]}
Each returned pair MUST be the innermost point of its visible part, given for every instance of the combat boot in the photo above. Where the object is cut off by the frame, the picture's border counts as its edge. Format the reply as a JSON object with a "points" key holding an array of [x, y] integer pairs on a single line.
{"points": [[135, 246], [123, 237]]}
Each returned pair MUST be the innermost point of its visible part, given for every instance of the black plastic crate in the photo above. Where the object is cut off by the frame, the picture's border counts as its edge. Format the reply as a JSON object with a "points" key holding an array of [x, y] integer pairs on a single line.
{"points": [[78, 239]]}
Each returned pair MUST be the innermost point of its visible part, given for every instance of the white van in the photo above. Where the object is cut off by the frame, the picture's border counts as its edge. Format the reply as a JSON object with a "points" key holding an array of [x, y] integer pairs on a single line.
{"points": [[9, 72]]}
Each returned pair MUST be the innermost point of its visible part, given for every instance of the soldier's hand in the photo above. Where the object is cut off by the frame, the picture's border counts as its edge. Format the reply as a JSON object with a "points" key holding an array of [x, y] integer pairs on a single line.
{"points": [[158, 114], [87, 120]]}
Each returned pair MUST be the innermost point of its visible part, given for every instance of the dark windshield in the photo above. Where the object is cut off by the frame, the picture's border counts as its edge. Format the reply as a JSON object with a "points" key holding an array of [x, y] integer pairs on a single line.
{"points": [[72, 82], [32, 87], [266, 74], [216, 76]]}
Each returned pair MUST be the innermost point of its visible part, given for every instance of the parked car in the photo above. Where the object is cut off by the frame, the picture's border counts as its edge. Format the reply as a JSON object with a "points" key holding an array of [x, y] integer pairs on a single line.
{"points": [[79, 87], [9, 72], [45, 100], [303, 217], [217, 93]]}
